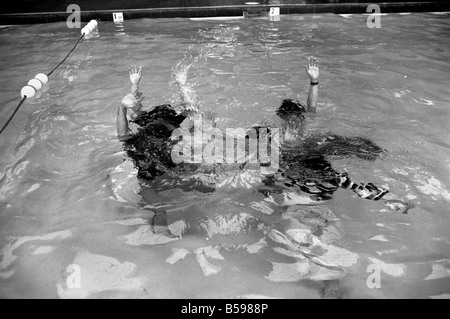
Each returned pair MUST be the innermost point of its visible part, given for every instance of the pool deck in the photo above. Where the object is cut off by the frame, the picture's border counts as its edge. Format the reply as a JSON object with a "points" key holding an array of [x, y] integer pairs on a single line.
{"points": [[43, 11]]}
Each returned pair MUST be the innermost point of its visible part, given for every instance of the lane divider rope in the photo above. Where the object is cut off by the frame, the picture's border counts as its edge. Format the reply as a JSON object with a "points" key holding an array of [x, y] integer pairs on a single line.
{"points": [[34, 85]]}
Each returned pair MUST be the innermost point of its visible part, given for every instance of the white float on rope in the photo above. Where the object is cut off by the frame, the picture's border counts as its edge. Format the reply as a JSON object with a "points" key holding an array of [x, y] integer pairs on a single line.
{"points": [[42, 77], [27, 91], [37, 84]]}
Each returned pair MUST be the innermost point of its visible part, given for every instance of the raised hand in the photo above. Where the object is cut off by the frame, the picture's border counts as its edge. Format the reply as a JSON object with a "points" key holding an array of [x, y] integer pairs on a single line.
{"points": [[135, 74], [209, 119], [312, 69], [292, 130]]}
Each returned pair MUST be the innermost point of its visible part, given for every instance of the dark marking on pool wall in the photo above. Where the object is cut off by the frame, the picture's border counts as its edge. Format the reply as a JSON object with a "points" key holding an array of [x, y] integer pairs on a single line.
{"points": [[46, 11]]}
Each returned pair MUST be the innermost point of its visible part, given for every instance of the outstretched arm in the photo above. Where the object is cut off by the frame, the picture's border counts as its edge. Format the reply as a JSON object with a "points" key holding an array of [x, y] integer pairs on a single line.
{"points": [[372, 192], [186, 94], [131, 101], [135, 104], [312, 69]]}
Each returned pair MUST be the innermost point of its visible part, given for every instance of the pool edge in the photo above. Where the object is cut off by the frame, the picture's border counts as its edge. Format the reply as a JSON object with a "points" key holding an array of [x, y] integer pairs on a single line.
{"points": [[220, 11]]}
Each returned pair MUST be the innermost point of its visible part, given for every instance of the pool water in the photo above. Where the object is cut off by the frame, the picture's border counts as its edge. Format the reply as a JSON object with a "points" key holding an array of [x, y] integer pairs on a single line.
{"points": [[67, 198]]}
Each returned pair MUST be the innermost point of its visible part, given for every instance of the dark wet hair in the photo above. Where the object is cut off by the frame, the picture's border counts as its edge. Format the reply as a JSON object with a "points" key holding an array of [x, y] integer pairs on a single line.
{"points": [[341, 147], [290, 109], [150, 147], [164, 113]]}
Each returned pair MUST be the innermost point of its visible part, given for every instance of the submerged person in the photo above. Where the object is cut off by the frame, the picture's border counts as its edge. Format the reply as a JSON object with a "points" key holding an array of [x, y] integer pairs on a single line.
{"points": [[304, 165], [146, 142], [305, 175], [304, 168], [150, 144]]}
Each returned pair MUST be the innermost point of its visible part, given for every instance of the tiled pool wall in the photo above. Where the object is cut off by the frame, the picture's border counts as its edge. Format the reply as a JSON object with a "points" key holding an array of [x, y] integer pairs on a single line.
{"points": [[41, 11]]}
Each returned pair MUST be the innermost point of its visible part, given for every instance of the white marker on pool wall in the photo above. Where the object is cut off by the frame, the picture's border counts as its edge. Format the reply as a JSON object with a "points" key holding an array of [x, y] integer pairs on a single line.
{"points": [[274, 14], [118, 17], [274, 11]]}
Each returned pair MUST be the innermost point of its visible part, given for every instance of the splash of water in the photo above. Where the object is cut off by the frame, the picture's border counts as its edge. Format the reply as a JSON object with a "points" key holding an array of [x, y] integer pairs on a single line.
{"points": [[179, 78]]}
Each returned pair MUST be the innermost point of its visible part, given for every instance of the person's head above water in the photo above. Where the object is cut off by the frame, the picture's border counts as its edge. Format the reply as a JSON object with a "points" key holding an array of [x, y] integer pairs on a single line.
{"points": [[291, 114], [291, 110]]}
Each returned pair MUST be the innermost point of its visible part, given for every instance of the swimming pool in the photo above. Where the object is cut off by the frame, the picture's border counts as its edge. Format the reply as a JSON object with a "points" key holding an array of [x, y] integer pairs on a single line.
{"points": [[60, 156]]}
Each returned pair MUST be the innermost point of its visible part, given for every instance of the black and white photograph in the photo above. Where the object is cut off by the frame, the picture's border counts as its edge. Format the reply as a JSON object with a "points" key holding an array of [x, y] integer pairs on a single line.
{"points": [[225, 157]]}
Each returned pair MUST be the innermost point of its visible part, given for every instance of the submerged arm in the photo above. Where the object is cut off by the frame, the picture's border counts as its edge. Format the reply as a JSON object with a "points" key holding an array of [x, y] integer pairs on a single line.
{"points": [[312, 69], [372, 192], [364, 190]]}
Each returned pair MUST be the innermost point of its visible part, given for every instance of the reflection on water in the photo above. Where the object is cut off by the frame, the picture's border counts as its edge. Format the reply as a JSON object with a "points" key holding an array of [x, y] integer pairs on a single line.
{"points": [[68, 197], [120, 28]]}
